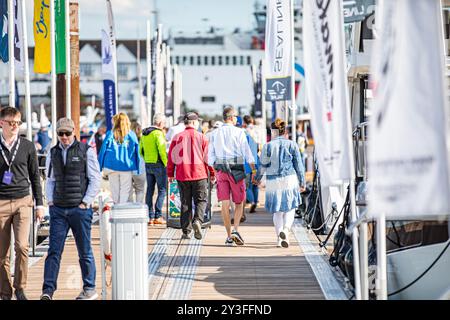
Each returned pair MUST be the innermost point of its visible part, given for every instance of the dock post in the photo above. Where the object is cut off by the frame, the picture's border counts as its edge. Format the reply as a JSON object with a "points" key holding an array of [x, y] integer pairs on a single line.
{"points": [[364, 248], [381, 281], [102, 251]]}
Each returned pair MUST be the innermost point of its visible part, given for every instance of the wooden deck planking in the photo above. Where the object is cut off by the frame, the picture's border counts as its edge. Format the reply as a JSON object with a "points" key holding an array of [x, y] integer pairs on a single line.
{"points": [[258, 270], [69, 279]]}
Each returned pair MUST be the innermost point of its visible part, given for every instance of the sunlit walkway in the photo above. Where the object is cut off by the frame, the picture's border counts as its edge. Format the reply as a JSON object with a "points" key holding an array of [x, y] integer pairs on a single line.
{"points": [[207, 269]]}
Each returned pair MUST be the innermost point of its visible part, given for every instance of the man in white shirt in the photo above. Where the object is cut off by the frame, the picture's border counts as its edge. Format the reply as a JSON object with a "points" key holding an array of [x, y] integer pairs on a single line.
{"points": [[174, 130], [227, 150]]}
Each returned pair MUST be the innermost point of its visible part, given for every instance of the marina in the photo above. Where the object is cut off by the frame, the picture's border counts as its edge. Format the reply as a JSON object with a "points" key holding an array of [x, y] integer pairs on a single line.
{"points": [[324, 129]]}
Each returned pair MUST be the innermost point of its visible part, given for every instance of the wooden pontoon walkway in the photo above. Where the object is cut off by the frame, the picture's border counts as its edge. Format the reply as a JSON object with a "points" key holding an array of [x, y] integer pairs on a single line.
{"points": [[207, 269]]}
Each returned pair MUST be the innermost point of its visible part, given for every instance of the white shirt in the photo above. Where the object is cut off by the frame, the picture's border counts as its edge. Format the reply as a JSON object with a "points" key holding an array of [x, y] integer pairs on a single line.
{"points": [[227, 143], [173, 131], [9, 146]]}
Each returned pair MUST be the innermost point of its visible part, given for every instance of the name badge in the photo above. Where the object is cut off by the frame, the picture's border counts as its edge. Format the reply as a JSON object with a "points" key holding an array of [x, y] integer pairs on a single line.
{"points": [[7, 177]]}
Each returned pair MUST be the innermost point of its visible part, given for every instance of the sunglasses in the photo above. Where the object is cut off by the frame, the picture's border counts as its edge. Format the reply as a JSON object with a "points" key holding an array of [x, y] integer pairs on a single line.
{"points": [[64, 133], [13, 123]]}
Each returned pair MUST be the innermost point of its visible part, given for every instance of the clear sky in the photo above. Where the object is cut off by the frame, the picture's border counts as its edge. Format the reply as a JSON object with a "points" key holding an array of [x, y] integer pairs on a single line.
{"points": [[187, 15]]}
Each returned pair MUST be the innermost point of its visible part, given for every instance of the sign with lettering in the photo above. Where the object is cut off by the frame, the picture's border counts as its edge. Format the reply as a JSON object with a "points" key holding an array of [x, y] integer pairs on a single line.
{"points": [[278, 52], [41, 28], [109, 83], [408, 142], [327, 89], [358, 10]]}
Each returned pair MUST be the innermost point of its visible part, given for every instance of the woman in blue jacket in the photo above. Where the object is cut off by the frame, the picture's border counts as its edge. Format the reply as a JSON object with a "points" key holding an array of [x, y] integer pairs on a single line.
{"points": [[119, 157], [283, 167]]}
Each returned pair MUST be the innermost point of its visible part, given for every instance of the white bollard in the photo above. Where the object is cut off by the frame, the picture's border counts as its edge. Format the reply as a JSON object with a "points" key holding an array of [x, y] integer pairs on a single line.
{"points": [[129, 251]]}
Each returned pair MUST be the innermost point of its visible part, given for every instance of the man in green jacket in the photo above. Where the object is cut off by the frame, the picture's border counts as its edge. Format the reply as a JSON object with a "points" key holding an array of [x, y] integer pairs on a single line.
{"points": [[152, 148]]}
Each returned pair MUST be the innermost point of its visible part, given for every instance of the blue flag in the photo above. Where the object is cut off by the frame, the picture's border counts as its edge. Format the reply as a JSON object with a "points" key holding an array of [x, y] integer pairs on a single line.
{"points": [[109, 93]]}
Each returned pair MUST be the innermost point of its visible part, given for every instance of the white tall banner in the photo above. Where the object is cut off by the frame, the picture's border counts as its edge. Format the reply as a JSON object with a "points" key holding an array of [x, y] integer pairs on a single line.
{"points": [[278, 52], [109, 84], [327, 89], [112, 37], [408, 146], [18, 38]]}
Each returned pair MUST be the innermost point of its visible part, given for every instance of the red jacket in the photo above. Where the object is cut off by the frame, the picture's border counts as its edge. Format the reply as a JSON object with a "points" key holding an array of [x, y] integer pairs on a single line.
{"points": [[188, 153]]}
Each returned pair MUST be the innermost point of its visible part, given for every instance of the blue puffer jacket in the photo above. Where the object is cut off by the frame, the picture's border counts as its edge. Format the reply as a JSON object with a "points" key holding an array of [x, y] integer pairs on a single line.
{"points": [[120, 156]]}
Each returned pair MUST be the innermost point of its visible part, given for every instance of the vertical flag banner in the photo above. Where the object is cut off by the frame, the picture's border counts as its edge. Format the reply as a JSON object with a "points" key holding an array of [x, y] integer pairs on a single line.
{"points": [[109, 85], [159, 76], [60, 34], [4, 30], [408, 143], [113, 48], [18, 40], [327, 88], [257, 90], [169, 85], [41, 30], [278, 51]]}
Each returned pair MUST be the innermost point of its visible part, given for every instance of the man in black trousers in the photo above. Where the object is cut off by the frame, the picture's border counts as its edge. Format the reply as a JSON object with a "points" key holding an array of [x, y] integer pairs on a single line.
{"points": [[188, 158]]}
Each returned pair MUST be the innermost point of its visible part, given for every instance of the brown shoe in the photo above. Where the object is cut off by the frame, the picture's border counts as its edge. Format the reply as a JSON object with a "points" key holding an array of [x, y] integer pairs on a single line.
{"points": [[160, 220], [253, 208], [151, 222]]}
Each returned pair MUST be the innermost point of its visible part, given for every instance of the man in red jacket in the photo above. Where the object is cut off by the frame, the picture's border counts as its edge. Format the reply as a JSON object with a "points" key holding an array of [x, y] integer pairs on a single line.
{"points": [[187, 157]]}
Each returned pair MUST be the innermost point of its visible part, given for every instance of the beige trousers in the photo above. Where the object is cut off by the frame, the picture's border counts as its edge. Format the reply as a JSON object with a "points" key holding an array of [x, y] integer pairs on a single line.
{"points": [[15, 213]]}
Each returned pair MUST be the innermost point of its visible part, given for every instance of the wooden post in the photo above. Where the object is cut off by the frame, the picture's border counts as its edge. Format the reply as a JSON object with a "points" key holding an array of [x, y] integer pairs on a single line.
{"points": [[75, 65], [61, 95]]}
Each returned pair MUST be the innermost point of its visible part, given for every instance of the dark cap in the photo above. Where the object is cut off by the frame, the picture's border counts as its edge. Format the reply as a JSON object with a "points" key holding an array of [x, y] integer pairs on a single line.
{"points": [[191, 116]]}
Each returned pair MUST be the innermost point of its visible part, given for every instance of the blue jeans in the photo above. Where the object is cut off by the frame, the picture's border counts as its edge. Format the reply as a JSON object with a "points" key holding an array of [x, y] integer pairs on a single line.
{"points": [[156, 174], [252, 191], [80, 221]]}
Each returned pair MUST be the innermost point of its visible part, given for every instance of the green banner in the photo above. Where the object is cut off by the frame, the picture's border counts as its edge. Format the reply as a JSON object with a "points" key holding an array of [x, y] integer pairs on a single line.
{"points": [[60, 31]]}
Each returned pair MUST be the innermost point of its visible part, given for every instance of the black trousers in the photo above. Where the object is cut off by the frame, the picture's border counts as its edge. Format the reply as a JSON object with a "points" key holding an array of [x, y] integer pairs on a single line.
{"points": [[196, 191]]}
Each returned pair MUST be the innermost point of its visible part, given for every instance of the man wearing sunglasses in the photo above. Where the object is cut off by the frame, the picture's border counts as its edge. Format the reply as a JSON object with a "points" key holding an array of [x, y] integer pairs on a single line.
{"points": [[18, 170], [73, 182]]}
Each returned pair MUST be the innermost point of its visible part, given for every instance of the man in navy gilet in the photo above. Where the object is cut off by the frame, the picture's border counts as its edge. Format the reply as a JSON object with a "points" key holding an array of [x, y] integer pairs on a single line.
{"points": [[73, 182]]}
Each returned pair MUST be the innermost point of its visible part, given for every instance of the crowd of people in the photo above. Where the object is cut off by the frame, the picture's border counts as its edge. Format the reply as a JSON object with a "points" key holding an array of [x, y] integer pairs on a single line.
{"points": [[136, 161]]}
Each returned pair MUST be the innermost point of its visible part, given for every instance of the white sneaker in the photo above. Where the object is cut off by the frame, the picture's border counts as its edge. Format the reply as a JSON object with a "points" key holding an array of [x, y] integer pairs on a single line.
{"points": [[284, 234], [279, 243], [285, 243]]}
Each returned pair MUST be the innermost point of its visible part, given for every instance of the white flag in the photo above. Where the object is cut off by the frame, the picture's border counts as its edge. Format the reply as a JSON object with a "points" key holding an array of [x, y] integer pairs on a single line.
{"points": [[18, 36], [327, 89], [159, 72], [408, 157], [112, 37], [278, 52], [109, 84]]}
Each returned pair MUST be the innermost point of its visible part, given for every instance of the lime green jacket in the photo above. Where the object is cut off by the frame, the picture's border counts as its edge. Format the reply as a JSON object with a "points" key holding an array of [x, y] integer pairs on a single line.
{"points": [[152, 146]]}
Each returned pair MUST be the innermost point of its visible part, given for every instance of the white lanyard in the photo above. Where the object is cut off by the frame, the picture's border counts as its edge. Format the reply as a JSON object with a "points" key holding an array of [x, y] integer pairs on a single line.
{"points": [[13, 157]]}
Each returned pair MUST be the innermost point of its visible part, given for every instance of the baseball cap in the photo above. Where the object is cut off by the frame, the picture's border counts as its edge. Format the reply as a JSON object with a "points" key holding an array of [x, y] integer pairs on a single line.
{"points": [[218, 124], [191, 116], [65, 124]]}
